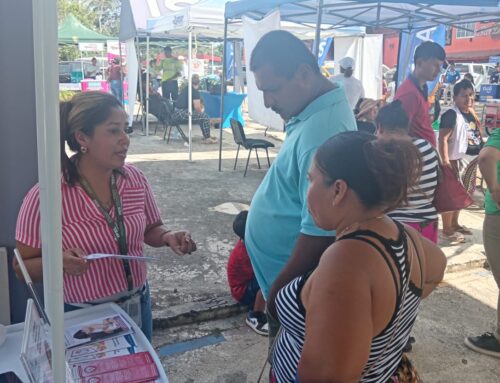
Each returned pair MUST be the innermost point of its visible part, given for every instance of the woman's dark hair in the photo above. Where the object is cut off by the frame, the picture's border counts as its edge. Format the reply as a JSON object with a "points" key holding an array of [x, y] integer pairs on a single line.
{"points": [[284, 52], [468, 76], [239, 224], [393, 117], [82, 113], [80, 334], [429, 50], [461, 85], [380, 172]]}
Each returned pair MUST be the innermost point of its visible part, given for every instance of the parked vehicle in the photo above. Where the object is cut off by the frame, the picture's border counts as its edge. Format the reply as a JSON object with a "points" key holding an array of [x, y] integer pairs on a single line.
{"points": [[481, 72]]}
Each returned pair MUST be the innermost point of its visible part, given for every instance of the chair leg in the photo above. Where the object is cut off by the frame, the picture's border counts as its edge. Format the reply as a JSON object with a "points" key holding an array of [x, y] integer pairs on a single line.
{"points": [[268, 162], [236, 160], [248, 160], [169, 131], [257, 155], [181, 132]]}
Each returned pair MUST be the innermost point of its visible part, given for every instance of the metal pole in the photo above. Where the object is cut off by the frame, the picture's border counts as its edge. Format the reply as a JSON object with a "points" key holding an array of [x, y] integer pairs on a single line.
{"points": [[147, 85], [190, 96], [141, 92], [212, 57], [222, 92], [49, 173], [121, 69], [318, 29]]}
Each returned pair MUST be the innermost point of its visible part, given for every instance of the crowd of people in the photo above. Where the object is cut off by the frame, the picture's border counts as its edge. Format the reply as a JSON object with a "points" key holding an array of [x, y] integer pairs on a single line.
{"points": [[339, 246]]}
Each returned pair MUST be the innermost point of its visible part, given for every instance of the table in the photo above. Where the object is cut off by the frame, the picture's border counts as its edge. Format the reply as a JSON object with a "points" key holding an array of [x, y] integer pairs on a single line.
{"points": [[10, 350], [232, 106]]}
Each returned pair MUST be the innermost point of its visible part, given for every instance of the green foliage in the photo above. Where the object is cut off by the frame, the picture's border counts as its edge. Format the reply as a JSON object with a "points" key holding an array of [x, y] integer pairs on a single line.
{"points": [[102, 16]]}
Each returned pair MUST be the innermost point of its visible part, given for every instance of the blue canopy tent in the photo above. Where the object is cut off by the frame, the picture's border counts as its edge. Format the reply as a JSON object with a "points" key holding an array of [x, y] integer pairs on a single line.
{"points": [[404, 16]]}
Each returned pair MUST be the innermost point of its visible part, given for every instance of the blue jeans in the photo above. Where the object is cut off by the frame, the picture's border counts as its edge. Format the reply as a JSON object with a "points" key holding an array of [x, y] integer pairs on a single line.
{"points": [[146, 313], [116, 89]]}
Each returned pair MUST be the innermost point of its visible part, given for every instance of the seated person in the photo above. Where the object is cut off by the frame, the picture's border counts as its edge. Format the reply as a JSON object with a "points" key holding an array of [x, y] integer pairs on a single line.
{"points": [[366, 111], [182, 114], [242, 281]]}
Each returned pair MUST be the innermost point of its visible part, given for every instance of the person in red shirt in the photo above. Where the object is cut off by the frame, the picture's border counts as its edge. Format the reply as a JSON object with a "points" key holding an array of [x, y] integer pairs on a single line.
{"points": [[413, 93], [242, 281]]}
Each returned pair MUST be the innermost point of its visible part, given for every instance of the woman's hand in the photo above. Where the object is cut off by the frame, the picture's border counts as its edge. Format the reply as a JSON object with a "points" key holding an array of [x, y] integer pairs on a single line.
{"points": [[179, 241], [73, 262]]}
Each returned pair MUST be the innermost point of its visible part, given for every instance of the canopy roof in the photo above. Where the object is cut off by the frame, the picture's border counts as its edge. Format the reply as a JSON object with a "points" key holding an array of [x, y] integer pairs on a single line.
{"points": [[72, 31], [393, 14]]}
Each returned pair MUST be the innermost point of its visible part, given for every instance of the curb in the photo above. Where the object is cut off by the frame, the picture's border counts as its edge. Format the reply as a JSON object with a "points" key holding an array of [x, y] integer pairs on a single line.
{"points": [[225, 306], [195, 312]]}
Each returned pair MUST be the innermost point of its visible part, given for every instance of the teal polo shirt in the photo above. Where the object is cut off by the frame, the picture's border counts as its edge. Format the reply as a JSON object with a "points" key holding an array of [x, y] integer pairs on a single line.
{"points": [[279, 213]]}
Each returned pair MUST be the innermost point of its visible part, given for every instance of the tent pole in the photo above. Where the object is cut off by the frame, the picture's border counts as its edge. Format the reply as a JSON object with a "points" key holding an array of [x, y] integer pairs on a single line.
{"points": [[190, 95], [147, 84], [212, 57], [318, 29], [49, 173], [121, 69], [396, 80], [222, 92], [141, 92]]}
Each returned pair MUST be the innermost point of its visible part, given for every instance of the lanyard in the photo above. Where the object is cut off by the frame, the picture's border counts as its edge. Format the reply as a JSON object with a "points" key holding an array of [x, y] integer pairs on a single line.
{"points": [[117, 227]]}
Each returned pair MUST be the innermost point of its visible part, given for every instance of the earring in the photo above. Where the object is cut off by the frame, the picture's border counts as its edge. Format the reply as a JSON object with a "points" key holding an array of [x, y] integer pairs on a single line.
{"points": [[83, 149]]}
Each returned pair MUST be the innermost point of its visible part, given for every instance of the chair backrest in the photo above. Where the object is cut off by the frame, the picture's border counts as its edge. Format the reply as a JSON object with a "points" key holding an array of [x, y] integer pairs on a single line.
{"points": [[238, 132]]}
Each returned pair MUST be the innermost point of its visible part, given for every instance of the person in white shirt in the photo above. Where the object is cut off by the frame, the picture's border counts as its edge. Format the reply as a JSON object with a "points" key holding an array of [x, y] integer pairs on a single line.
{"points": [[353, 87]]}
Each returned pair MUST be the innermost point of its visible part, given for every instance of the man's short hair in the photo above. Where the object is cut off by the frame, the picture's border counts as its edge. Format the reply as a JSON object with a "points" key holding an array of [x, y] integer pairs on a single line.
{"points": [[429, 50], [167, 50], [239, 224], [195, 80], [464, 84], [284, 52]]}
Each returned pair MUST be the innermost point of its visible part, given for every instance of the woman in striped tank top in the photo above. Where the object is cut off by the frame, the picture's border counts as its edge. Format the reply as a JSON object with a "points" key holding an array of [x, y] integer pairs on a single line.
{"points": [[108, 207], [419, 213], [349, 319]]}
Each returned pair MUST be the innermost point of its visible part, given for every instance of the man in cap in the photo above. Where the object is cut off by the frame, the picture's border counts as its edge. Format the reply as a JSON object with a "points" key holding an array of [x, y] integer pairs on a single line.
{"points": [[352, 86]]}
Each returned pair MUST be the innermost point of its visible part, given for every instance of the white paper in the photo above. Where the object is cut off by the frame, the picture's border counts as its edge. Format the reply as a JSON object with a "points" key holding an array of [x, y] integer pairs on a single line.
{"points": [[92, 257]]}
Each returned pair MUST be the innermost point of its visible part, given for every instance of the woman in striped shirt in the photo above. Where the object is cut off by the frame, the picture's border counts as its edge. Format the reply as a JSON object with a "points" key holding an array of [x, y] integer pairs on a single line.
{"points": [[349, 319], [107, 207], [419, 213]]}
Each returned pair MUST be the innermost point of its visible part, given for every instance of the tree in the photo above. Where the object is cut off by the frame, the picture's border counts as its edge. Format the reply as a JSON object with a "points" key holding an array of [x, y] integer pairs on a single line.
{"points": [[102, 16]]}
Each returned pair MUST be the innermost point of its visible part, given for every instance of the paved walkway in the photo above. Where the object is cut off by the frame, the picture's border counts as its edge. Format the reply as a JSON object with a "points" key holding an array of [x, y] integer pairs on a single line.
{"points": [[193, 288]]}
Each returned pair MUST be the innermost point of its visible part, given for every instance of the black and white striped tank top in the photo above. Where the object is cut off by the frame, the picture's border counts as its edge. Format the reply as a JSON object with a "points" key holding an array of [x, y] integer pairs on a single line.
{"points": [[420, 206], [386, 348]]}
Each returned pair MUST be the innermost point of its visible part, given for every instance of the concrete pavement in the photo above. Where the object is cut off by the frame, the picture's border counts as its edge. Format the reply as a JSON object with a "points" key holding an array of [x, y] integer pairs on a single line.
{"points": [[189, 290]]}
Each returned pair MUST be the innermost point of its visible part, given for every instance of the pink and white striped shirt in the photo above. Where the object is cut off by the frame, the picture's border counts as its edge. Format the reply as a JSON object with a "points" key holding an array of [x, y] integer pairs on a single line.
{"points": [[84, 227]]}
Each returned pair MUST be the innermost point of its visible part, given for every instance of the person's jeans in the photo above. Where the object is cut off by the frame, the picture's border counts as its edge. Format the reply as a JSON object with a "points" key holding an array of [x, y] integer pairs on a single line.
{"points": [[116, 89], [146, 313], [491, 239]]}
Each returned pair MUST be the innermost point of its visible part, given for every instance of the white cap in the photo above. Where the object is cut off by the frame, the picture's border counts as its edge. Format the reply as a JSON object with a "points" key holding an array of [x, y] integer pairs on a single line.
{"points": [[347, 62]]}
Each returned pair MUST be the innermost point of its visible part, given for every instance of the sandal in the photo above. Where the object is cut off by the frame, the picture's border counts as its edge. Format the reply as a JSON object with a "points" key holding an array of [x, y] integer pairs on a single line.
{"points": [[463, 229], [454, 239]]}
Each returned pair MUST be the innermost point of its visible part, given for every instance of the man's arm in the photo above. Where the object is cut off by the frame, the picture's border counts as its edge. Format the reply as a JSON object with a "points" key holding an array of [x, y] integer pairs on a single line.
{"points": [[305, 256], [488, 160]]}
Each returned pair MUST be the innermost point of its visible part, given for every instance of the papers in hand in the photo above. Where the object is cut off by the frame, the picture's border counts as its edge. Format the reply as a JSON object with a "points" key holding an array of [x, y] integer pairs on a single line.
{"points": [[92, 257]]}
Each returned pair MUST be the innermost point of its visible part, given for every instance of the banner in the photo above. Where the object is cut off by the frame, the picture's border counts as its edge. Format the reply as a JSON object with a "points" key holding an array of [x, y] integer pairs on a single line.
{"points": [[324, 48], [229, 60], [407, 45], [90, 47], [114, 49]]}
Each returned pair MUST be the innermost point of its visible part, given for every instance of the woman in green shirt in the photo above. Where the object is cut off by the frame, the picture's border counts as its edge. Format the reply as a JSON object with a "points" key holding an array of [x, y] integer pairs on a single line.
{"points": [[489, 164]]}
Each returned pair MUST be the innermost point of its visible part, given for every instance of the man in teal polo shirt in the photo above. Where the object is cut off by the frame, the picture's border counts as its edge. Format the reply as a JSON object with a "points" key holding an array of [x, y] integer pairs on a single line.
{"points": [[281, 238], [489, 164]]}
